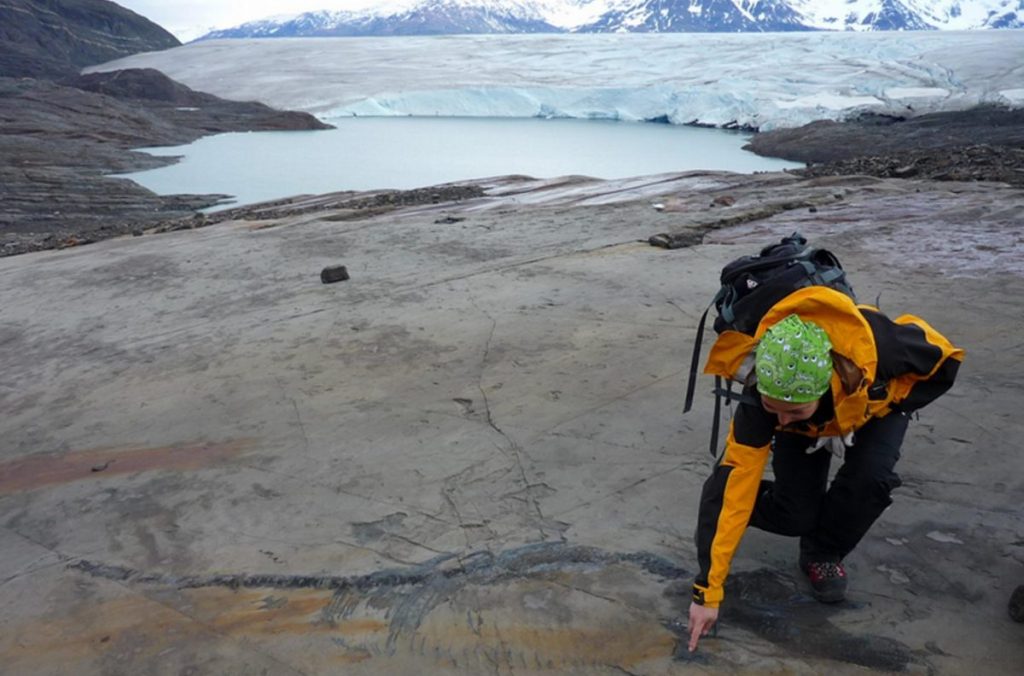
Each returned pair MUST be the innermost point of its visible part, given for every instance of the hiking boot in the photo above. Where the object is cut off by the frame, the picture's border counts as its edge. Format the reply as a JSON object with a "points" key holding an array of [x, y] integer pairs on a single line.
{"points": [[828, 580]]}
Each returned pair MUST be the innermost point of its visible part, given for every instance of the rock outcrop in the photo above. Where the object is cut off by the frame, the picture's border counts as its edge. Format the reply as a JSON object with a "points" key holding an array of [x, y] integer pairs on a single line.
{"points": [[50, 38], [58, 140], [981, 144]]}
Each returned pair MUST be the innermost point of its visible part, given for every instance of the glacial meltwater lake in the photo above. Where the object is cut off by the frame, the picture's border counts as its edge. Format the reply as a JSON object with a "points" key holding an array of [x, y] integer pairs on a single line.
{"points": [[367, 153]]}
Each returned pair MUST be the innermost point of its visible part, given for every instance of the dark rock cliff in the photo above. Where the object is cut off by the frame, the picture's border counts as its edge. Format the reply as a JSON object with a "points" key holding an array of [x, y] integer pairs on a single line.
{"points": [[49, 38]]}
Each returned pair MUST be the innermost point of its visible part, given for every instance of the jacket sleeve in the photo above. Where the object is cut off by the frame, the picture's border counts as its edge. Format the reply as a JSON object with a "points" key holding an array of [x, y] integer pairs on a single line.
{"points": [[919, 363], [727, 501]]}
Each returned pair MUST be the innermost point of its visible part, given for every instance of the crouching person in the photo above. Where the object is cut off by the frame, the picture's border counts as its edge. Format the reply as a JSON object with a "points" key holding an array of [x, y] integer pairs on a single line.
{"points": [[820, 374]]}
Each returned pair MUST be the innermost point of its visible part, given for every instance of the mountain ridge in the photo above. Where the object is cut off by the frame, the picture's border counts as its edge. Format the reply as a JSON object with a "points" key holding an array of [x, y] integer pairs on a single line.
{"points": [[460, 17]]}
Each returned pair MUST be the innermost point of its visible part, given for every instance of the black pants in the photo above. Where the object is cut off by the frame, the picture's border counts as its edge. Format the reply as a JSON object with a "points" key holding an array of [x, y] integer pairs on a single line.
{"points": [[830, 522]]}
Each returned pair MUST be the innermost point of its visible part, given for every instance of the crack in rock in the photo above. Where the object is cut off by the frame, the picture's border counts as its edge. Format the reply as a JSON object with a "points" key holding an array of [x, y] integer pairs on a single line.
{"points": [[411, 593]]}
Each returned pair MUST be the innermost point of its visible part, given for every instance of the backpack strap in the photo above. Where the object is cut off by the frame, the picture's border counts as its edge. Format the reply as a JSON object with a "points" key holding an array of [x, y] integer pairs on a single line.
{"points": [[818, 277], [731, 396], [725, 394], [691, 384], [715, 421]]}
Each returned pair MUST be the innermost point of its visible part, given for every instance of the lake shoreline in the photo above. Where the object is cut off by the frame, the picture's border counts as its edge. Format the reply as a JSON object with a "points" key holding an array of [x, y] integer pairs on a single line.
{"points": [[57, 193], [60, 139]]}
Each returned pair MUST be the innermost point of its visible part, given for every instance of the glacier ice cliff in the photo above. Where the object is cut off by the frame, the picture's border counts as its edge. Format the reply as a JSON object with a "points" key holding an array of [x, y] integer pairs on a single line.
{"points": [[760, 81]]}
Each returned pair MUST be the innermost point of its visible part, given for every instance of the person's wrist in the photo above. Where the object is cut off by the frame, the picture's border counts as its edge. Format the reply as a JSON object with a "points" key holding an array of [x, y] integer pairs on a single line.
{"points": [[701, 597], [698, 596]]}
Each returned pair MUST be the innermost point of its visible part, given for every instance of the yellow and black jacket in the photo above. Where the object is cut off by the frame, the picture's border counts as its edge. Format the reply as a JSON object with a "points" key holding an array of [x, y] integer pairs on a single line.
{"points": [[880, 365]]}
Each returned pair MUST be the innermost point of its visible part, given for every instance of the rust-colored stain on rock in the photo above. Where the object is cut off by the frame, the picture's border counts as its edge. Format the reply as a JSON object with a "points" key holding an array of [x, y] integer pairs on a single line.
{"points": [[150, 626], [36, 471], [291, 626], [250, 614]]}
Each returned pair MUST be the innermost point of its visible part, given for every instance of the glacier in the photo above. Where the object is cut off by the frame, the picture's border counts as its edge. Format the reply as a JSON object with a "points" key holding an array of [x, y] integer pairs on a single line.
{"points": [[752, 81]]}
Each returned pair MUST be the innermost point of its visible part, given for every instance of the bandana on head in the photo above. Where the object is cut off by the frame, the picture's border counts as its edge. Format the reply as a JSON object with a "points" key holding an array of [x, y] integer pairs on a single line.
{"points": [[793, 361]]}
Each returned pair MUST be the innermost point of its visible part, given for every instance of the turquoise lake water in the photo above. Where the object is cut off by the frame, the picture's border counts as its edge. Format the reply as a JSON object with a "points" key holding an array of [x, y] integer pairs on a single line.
{"points": [[409, 152]]}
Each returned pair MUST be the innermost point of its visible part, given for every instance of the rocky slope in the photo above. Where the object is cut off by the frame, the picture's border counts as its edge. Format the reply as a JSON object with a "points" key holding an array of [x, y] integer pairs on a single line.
{"points": [[982, 144], [61, 132], [50, 38], [59, 139], [147, 379]]}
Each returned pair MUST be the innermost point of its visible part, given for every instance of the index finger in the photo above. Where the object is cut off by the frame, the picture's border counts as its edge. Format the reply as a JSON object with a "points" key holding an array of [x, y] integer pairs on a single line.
{"points": [[695, 633]]}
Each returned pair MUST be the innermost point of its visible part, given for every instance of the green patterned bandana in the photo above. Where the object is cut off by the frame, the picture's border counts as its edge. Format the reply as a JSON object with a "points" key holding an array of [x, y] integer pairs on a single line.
{"points": [[793, 361]]}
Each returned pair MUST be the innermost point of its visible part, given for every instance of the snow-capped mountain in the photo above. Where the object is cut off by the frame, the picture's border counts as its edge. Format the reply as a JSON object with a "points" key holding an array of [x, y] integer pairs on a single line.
{"points": [[910, 14], [697, 16], [716, 16], [426, 17], [446, 17]]}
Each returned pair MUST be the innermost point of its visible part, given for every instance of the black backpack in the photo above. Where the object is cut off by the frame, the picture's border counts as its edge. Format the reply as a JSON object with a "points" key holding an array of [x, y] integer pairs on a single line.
{"points": [[751, 285]]}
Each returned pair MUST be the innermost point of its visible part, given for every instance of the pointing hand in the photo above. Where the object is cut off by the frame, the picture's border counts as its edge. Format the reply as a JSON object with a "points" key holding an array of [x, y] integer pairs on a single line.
{"points": [[702, 619]]}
